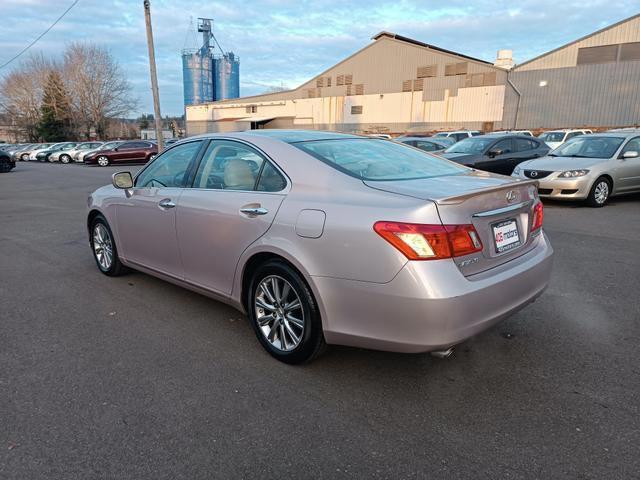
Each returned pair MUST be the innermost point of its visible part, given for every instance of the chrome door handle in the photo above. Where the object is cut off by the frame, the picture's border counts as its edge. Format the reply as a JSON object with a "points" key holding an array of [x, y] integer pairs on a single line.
{"points": [[254, 211], [166, 203]]}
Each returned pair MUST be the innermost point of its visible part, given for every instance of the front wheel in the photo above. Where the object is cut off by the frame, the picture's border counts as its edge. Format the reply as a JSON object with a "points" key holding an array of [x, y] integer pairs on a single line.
{"points": [[284, 313], [65, 158], [600, 192], [103, 161], [104, 248]]}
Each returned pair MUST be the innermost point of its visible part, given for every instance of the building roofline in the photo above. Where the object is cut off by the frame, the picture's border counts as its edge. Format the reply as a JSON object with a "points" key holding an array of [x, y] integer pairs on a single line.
{"points": [[427, 45], [625, 20]]}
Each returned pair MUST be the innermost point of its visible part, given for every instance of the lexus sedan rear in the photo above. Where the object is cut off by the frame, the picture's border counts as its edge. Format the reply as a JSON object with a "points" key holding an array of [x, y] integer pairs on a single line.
{"points": [[324, 238]]}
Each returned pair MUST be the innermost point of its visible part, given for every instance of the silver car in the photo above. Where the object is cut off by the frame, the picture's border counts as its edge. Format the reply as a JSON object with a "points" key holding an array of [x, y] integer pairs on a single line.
{"points": [[329, 238], [67, 155], [588, 167]]}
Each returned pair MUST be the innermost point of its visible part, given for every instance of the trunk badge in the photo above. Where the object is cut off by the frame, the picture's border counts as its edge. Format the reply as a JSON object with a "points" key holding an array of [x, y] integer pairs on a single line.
{"points": [[512, 196]]}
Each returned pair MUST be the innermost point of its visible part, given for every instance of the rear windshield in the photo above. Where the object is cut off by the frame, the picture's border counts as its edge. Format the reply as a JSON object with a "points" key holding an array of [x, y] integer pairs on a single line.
{"points": [[589, 147], [370, 159], [552, 137]]}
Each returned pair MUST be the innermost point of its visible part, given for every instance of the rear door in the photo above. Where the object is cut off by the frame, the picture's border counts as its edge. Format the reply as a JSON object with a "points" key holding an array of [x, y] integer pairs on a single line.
{"points": [[235, 195], [526, 149]]}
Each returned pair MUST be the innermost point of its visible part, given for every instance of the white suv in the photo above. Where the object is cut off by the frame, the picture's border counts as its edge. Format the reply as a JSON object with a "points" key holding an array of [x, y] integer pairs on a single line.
{"points": [[555, 138], [459, 135]]}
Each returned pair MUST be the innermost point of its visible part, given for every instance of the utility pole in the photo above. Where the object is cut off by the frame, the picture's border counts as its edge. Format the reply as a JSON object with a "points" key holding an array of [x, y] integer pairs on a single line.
{"points": [[154, 76]]}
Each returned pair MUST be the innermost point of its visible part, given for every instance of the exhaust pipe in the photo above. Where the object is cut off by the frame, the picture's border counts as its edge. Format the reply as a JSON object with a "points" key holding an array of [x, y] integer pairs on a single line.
{"points": [[442, 353]]}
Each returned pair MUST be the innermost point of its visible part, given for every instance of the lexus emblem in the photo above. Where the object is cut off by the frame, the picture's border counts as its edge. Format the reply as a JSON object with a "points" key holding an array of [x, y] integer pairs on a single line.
{"points": [[512, 196], [533, 174]]}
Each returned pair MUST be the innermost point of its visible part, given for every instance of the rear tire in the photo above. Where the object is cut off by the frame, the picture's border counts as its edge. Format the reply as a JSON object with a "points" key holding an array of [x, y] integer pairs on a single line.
{"points": [[24, 157], [104, 248], [103, 161], [5, 166], [287, 310], [600, 192]]}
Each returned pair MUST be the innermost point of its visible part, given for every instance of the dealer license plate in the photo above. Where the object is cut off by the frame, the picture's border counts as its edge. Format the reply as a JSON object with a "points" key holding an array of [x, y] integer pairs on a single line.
{"points": [[506, 236]]}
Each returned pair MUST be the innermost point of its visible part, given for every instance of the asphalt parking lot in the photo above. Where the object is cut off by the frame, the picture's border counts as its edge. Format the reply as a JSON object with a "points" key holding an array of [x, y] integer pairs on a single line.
{"points": [[132, 377]]}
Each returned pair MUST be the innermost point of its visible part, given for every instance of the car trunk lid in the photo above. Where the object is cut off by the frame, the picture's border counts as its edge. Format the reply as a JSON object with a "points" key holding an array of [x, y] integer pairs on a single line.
{"points": [[496, 206]]}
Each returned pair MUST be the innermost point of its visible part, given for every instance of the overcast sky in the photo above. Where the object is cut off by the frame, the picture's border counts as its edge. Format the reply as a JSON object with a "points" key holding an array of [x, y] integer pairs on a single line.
{"points": [[285, 42]]}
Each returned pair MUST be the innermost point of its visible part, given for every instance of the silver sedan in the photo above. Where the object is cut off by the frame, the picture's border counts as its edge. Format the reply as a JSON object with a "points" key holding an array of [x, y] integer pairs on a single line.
{"points": [[325, 238], [589, 167]]}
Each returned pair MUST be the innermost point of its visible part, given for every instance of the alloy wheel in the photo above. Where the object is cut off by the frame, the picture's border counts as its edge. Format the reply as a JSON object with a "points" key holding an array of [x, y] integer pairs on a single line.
{"points": [[601, 192], [65, 158], [279, 313], [102, 246], [103, 161]]}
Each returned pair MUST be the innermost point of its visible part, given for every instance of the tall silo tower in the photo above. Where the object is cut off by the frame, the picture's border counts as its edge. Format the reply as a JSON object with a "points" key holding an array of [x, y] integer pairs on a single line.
{"points": [[226, 77]]}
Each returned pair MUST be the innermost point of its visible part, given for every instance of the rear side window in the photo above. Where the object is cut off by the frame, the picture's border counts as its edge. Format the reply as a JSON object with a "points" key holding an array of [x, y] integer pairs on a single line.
{"points": [[270, 179], [371, 159], [523, 144], [573, 134]]}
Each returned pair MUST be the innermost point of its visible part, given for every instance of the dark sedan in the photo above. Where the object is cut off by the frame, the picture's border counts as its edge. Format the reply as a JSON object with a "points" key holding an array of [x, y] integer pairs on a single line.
{"points": [[428, 144], [7, 163], [135, 151], [496, 153]]}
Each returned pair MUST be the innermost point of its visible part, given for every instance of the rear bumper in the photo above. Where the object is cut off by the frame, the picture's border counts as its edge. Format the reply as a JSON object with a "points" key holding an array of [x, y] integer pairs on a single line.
{"points": [[430, 305]]}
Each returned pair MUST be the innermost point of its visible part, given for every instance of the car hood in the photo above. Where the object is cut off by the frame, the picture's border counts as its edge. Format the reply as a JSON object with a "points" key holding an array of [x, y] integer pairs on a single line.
{"points": [[445, 186], [460, 157], [561, 163]]}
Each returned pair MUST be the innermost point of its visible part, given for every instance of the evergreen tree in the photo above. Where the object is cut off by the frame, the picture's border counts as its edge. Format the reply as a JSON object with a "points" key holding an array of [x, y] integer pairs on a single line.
{"points": [[55, 124]]}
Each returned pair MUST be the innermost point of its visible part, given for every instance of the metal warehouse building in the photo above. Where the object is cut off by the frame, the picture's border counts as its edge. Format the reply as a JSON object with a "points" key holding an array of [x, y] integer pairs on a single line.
{"points": [[397, 84]]}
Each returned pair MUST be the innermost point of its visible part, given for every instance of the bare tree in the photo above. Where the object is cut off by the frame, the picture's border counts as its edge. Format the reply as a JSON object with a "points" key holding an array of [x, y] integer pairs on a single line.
{"points": [[21, 93], [99, 88]]}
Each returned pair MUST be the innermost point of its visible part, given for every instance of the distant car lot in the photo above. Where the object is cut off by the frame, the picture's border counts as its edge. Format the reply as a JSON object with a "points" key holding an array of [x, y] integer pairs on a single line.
{"points": [[136, 378]]}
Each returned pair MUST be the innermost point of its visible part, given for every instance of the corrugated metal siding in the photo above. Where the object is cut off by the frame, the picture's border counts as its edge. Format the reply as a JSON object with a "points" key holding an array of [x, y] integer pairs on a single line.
{"points": [[605, 95], [628, 31]]}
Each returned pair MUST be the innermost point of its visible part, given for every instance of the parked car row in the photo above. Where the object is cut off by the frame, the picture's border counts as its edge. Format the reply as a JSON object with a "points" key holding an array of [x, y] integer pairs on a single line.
{"points": [[99, 153]]}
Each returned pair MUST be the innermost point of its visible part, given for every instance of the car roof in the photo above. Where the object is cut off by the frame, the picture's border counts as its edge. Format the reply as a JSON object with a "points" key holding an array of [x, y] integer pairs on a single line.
{"points": [[286, 136], [613, 135], [437, 140]]}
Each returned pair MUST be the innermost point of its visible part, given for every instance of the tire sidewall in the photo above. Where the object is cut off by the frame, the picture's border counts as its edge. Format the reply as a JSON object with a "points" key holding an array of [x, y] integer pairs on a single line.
{"points": [[312, 333], [592, 193], [115, 267]]}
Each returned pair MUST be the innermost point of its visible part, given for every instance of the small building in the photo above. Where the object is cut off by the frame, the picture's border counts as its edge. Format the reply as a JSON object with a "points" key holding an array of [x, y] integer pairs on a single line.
{"points": [[150, 134]]}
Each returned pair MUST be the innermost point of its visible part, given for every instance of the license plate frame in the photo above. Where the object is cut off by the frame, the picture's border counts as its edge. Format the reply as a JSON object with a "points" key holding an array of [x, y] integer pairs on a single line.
{"points": [[509, 246]]}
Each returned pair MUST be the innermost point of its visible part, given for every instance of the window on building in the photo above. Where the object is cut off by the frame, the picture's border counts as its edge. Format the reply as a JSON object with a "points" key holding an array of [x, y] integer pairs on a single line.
{"points": [[602, 54], [356, 110], [252, 109], [451, 69], [360, 89], [418, 85], [406, 85], [340, 80], [427, 71], [320, 82], [328, 81], [629, 51], [348, 79]]}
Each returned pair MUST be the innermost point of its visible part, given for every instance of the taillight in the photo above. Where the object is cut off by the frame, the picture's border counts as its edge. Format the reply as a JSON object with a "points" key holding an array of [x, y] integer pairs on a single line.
{"points": [[430, 242], [538, 216]]}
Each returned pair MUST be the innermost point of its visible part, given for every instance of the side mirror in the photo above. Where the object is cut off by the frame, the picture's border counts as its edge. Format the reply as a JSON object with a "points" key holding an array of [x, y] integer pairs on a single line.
{"points": [[115, 149], [631, 154], [494, 152], [122, 180]]}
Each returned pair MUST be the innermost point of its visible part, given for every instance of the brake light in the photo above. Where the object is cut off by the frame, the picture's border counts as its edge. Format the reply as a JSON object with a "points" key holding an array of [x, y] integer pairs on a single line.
{"points": [[430, 242], [538, 217]]}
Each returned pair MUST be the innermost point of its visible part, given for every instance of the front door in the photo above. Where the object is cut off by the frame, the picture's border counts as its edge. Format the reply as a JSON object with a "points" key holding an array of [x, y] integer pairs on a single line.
{"points": [[629, 168], [498, 163], [234, 198], [146, 219]]}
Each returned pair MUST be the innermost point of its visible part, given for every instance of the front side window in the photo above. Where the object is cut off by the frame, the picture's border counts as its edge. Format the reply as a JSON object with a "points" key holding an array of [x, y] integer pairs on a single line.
{"points": [[228, 165], [169, 168], [504, 146], [588, 146], [370, 159], [552, 137], [427, 146], [470, 145], [127, 146], [632, 146]]}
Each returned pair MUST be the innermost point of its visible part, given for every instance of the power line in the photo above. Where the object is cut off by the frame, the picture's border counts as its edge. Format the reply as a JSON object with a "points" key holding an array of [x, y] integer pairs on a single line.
{"points": [[40, 36]]}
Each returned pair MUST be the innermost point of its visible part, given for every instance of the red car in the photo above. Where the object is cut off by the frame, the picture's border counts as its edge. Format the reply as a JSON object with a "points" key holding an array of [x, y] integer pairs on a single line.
{"points": [[135, 151]]}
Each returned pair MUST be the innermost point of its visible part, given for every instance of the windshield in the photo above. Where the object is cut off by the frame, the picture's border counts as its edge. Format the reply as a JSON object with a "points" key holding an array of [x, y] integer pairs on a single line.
{"points": [[470, 145], [378, 160], [552, 136], [589, 147]]}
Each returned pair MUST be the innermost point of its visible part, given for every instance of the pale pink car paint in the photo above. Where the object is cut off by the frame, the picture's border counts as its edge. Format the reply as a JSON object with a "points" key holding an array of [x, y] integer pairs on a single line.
{"points": [[368, 293]]}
